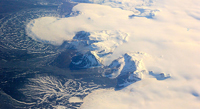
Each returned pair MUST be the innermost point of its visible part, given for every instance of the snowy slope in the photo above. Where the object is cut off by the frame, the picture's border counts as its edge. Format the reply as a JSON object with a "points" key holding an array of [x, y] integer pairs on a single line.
{"points": [[126, 69], [87, 60], [130, 68], [102, 42], [95, 46]]}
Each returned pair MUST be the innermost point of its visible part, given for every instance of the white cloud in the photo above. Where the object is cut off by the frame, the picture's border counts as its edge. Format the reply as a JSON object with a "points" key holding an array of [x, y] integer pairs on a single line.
{"points": [[93, 18], [145, 94]]}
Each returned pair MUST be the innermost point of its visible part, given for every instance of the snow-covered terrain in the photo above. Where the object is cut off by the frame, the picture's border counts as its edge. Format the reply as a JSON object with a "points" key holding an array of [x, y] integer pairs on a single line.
{"points": [[94, 47], [126, 69], [151, 47]]}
